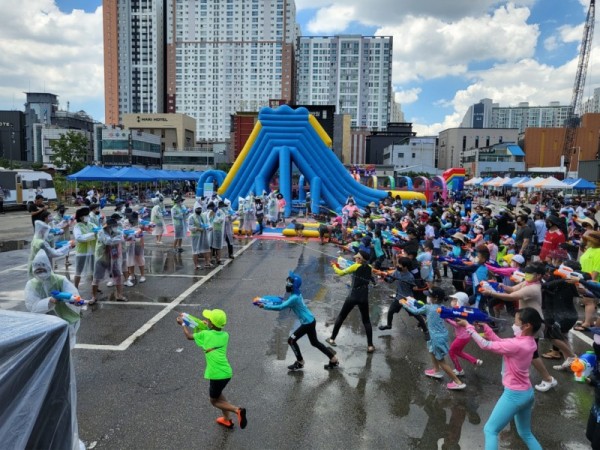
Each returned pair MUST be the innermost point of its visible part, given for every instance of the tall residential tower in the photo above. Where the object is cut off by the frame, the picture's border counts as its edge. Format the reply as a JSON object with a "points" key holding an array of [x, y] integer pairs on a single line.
{"points": [[352, 72]]}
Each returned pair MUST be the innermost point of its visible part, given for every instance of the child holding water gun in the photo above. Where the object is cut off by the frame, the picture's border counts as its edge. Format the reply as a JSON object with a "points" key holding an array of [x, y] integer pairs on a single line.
{"points": [[517, 400], [438, 338], [308, 323], [460, 299], [210, 337]]}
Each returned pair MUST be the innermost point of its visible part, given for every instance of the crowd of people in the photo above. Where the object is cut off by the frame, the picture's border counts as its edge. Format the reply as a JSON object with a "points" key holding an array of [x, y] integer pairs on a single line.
{"points": [[512, 263]]}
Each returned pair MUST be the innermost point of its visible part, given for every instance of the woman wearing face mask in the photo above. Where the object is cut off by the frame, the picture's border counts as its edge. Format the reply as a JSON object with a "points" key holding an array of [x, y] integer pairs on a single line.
{"points": [[157, 218], [109, 258], [308, 324], [529, 295], [85, 239], [438, 338], [517, 400], [200, 245]]}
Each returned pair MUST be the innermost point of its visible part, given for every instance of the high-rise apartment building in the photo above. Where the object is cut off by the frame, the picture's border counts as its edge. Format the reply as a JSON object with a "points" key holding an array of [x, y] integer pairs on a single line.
{"points": [[487, 114], [352, 72], [592, 104], [134, 67], [225, 56]]}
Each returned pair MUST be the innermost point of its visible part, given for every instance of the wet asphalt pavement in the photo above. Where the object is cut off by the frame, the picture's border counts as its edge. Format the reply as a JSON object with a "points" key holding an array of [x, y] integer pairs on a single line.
{"points": [[140, 382]]}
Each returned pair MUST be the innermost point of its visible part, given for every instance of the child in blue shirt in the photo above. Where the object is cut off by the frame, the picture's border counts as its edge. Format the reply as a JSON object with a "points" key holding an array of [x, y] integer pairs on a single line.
{"points": [[308, 324]]}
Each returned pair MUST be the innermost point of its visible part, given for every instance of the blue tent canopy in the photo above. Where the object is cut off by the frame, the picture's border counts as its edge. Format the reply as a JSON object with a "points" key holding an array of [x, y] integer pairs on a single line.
{"points": [[91, 173], [131, 174], [580, 184]]}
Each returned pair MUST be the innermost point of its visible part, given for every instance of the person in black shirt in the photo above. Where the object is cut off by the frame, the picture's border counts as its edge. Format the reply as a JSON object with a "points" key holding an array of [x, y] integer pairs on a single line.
{"points": [[505, 224], [524, 236], [36, 208]]}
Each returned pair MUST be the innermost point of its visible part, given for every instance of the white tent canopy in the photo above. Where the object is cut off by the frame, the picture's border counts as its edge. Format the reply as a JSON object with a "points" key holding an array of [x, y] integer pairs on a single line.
{"points": [[473, 181], [552, 183], [493, 182], [530, 183]]}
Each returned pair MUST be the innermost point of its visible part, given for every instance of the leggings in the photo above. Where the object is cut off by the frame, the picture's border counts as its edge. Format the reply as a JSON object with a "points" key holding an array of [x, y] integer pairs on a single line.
{"points": [[456, 351], [310, 330], [517, 404], [363, 307], [229, 246]]}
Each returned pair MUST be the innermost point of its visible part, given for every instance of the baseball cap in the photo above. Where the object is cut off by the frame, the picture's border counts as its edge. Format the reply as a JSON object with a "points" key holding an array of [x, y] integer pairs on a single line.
{"points": [[518, 259], [461, 298], [216, 316]]}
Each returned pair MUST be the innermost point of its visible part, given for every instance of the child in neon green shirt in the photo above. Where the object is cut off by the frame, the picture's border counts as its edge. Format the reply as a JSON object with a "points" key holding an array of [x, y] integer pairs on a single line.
{"points": [[209, 336]]}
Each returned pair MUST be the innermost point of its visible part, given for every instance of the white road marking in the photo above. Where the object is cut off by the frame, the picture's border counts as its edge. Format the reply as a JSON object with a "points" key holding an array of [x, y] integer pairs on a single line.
{"points": [[15, 268], [168, 308], [583, 337]]}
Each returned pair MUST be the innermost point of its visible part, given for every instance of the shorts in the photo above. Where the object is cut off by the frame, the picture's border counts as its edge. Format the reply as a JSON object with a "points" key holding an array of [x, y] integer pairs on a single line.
{"points": [[537, 347], [216, 387], [559, 330]]}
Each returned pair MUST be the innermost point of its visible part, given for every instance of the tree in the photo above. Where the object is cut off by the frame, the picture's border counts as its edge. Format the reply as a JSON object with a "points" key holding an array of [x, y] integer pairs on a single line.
{"points": [[70, 152]]}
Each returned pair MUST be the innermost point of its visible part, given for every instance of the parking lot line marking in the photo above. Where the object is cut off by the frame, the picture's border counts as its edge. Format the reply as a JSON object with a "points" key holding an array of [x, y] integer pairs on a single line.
{"points": [[20, 267], [168, 308]]}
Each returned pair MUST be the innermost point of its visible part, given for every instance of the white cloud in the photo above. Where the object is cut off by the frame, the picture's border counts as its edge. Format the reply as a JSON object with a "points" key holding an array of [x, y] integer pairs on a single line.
{"points": [[332, 19], [570, 33], [405, 97], [427, 48], [44, 49], [551, 43]]}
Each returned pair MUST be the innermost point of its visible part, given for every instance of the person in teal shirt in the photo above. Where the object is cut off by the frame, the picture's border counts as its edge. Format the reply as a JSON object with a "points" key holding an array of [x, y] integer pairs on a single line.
{"points": [[210, 337], [308, 323]]}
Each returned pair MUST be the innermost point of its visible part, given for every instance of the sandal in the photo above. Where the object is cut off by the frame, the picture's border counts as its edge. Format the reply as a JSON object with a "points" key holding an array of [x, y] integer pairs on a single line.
{"points": [[331, 365], [551, 355], [581, 327]]}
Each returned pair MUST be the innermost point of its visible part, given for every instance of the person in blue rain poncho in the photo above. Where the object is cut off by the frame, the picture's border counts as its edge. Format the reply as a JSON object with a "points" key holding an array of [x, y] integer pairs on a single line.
{"points": [[308, 323]]}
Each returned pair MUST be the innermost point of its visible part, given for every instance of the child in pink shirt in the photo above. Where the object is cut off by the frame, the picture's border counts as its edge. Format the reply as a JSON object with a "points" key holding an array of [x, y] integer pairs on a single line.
{"points": [[462, 338], [517, 400]]}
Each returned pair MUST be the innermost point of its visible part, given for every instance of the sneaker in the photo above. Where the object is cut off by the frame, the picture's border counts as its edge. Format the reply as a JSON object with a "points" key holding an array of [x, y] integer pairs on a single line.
{"points": [[455, 387], [458, 373], [331, 365], [224, 422], [546, 385], [110, 284], [331, 342], [392, 296], [128, 283], [296, 366], [566, 365], [479, 362], [142, 280], [384, 327], [241, 415], [433, 374]]}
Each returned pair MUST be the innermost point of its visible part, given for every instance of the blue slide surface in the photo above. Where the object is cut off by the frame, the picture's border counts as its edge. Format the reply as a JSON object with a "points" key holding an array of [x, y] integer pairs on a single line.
{"points": [[287, 137]]}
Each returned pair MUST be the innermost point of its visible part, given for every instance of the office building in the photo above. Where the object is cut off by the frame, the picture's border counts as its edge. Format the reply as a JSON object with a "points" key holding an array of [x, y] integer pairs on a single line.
{"points": [[228, 56], [352, 72], [415, 154], [134, 66], [377, 141], [130, 148], [12, 135], [454, 142], [487, 114], [495, 160]]}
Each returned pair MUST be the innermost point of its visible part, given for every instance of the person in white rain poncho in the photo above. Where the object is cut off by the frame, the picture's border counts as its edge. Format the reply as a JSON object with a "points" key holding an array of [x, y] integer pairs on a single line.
{"points": [[218, 233], [272, 210], [40, 242], [157, 218], [38, 299], [63, 222], [135, 251], [199, 225], [179, 216], [240, 214], [249, 215], [228, 232], [109, 258], [85, 239]]}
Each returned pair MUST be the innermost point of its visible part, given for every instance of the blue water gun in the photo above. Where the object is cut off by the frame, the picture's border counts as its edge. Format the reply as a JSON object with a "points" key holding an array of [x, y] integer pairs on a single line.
{"points": [[67, 297], [56, 231], [67, 218], [471, 315], [491, 285], [147, 223], [267, 300], [189, 320], [96, 229], [61, 244]]}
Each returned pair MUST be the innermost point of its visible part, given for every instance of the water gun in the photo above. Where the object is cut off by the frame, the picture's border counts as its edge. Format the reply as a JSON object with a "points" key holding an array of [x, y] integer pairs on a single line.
{"points": [[67, 297], [189, 320], [456, 261], [490, 285], [471, 315], [412, 302], [129, 232], [147, 224], [96, 229], [517, 277], [567, 273], [67, 218], [61, 244], [56, 231], [342, 263], [583, 366], [267, 300]]}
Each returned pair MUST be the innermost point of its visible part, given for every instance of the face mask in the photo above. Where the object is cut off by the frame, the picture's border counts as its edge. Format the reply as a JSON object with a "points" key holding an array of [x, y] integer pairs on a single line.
{"points": [[429, 300], [529, 276], [114, 230], [517, 330], [42, 275], [86, 219]]}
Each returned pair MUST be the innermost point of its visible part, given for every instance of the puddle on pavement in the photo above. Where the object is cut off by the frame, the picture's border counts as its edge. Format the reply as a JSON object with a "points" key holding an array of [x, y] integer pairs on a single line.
{"points": [[9, 246]]}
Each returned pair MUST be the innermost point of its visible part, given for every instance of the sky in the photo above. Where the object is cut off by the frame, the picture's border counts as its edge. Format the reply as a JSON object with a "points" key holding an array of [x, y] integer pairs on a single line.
{"points": [[447, 54]]}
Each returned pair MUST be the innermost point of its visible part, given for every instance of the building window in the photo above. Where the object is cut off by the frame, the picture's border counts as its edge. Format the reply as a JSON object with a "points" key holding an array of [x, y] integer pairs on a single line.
{"points": [[400, 155], [414, 155]]}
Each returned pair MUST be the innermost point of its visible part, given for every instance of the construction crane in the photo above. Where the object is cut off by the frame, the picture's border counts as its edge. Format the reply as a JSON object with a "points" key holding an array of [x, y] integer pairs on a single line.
{"points": [[572, 122]]}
